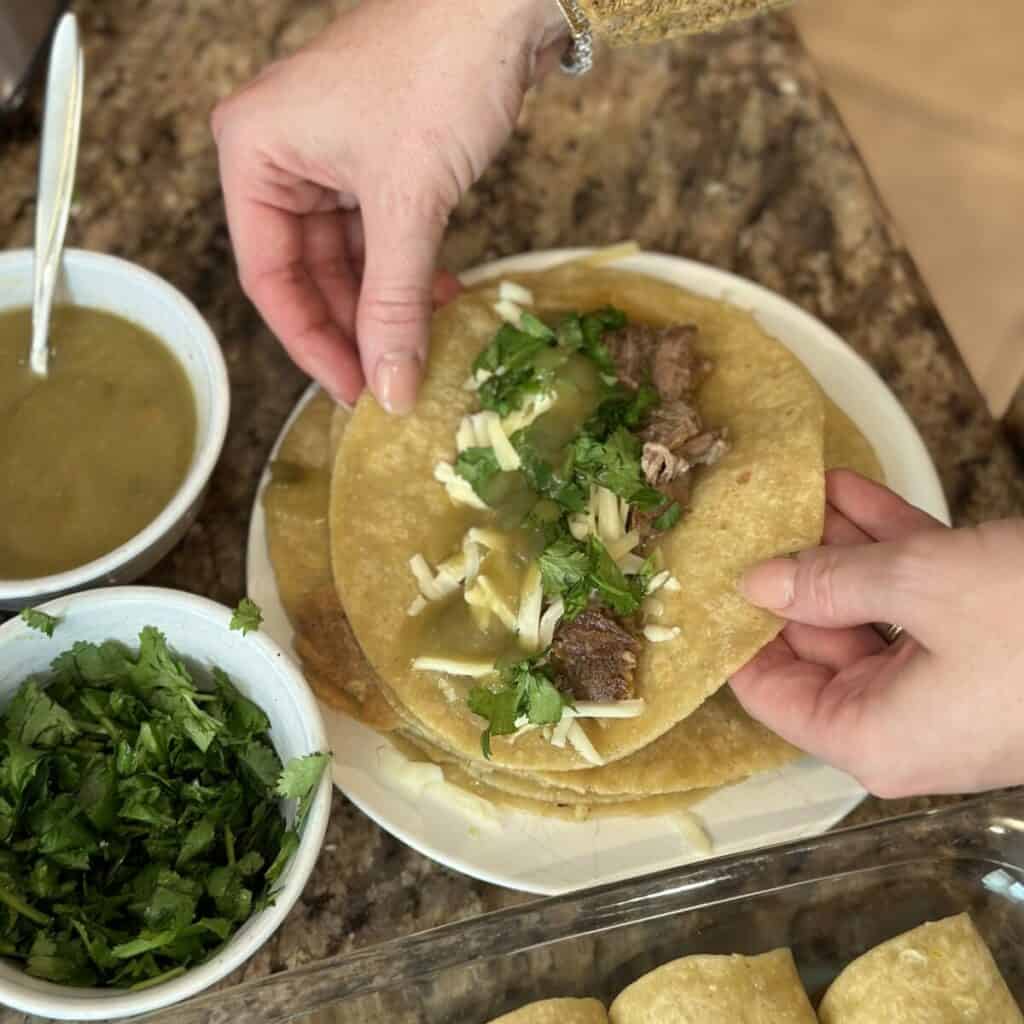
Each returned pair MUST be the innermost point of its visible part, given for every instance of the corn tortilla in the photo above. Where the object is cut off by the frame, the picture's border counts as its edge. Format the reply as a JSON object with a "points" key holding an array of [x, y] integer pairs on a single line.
{"points": [[939, 973], [711, 989], [719, 744], [557, 1011], [765, 498]]}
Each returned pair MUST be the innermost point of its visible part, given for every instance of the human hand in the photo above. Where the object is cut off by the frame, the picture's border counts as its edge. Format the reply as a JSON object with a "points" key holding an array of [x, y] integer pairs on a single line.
{"points": [[341, 164], [942, 709]]}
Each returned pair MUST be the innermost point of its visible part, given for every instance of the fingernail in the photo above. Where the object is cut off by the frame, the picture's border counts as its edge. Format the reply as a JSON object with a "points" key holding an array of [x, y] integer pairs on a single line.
{"points": [[771, 584], [397, 377]]}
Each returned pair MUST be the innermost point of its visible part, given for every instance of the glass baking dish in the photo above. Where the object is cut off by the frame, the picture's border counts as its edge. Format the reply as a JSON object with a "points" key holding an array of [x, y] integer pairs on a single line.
{"points": [[829, 899]]}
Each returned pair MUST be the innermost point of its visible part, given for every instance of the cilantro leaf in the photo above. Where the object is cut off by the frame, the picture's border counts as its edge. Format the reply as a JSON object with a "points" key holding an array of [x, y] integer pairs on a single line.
{"points": [[262, 761], [499, 707], [478, 466], [526, 690], [35, 619], [609, 580], [299, 780], [542, 476], [529, 324], [563, 566], [624, 407], [35, 720], [615, 464], [669, 517], [247, 616]]}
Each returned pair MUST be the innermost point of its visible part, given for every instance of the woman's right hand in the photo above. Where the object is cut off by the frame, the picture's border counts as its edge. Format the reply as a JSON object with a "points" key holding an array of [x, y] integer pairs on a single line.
{"points": [[341, 164], [941, 710]]}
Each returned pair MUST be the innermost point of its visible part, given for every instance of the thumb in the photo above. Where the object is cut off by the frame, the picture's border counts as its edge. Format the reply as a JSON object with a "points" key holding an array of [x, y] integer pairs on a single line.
{"points": [[396, 300], [847, 586]]}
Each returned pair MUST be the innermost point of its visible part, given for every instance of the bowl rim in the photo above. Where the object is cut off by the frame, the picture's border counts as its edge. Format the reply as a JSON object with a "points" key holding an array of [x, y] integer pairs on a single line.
{"points": [[208, 446], [64, 1002]]}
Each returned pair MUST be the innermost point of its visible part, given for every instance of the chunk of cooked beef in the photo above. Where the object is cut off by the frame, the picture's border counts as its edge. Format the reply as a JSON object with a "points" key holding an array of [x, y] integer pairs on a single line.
{"points": [[594, 656], [662, 356], [672, 424], [662, 464]]}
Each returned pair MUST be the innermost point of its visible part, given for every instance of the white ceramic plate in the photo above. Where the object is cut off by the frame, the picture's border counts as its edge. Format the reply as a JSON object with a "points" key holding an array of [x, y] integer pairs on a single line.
{"points": [[549, 856]]}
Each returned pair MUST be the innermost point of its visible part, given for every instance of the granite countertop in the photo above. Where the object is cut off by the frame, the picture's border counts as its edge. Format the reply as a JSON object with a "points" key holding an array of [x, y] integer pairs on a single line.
{"points": [[724, 149]]}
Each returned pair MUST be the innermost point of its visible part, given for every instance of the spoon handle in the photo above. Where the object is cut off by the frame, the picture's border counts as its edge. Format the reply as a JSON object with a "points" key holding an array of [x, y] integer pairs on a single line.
{"points": [[59, 153]]}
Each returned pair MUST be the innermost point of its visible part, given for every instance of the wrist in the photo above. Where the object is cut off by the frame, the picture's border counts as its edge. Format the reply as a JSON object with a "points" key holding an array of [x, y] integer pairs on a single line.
{"points": [[544, 18]]}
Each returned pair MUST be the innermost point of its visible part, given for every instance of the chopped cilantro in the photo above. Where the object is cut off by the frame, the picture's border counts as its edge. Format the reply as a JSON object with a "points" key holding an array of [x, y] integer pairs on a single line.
{"points": [[247, 617], [137, 814], [526, 690], [523, 360], [669, 517], [534, 327], [35, 619], [576, 571], [299, 780], [565, 564], [543, 477], [615, 464], [623, 595], [622, 408], [479, 466], [586, 333]]}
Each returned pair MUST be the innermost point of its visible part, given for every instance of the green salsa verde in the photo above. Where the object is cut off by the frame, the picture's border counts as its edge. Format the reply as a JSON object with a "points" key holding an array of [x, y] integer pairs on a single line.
{"points": [[94, 452]]}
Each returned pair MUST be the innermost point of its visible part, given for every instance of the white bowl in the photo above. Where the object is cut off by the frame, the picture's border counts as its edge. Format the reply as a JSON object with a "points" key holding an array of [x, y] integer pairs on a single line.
{"points": [[198, 630], [111, 284]]}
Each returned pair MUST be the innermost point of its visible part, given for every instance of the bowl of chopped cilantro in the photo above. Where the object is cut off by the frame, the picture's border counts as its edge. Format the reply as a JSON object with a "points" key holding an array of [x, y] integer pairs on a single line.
{"points": [[163, 799]]}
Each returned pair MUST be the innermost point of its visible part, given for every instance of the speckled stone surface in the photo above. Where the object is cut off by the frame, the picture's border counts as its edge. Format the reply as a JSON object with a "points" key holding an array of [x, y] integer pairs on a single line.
{"points": [[1015, 423], [723, 149]]}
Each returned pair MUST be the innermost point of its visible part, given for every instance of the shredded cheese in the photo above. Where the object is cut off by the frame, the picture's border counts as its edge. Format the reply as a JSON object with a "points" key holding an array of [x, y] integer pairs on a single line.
{"points": [[480, 434], [512, 292], [419, 602], [561, 730], [580, 526], [658, 581], [694, 832], [453, 567], [455, 666], [465, 436], [493, 539], [548, 621], [673, 585], [425, 578], [631, 564], [508, 311], [479, 377], [483, 593], [530, 599], [535, 406], [459, 490], [654, 608], [659, 634], [609, 525], [471, 554], [577, 736], [623, 545], [608, 709], [507, 456]]}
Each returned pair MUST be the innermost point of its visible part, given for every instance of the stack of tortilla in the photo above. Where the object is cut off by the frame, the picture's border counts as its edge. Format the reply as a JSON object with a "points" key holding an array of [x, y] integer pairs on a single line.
{"points": [[353, 499], [939, 973]]}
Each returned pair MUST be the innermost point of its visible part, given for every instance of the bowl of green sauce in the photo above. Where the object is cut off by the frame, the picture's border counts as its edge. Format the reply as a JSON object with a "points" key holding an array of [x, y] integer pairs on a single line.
{"points": [[103, 462], [164, 795]]}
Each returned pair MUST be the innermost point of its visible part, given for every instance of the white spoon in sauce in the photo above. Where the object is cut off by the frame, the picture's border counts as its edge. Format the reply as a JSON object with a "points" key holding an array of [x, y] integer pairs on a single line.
{"points": [[62, 121]]}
